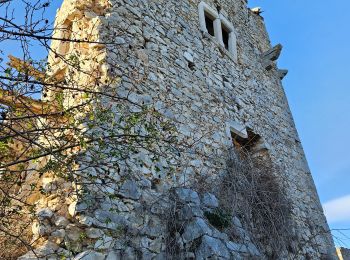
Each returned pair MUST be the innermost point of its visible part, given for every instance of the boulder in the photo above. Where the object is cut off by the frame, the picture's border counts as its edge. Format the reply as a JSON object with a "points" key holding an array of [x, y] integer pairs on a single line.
{"points": [[46, 251], [209, 200], [94, 233], [197, 228], [90, 255], [237, 247], [49, 184], [130, 190], [58, 236], [61, 222], [211, 247], [41, 228], [44, 213], [187, 212], [107, 219], [129, 254], [187, 195], [253, 250], [105, 242], [236, 222], [76, 207], [113, 255], [73, 232], [188, 56]]}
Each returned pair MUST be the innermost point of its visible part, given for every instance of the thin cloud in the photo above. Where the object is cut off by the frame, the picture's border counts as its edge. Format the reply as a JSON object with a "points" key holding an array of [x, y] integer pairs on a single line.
{"points": [[337, 210]]}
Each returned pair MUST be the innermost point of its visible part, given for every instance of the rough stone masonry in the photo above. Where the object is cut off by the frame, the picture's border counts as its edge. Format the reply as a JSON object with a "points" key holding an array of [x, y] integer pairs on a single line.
{"points": [[209, 67]]}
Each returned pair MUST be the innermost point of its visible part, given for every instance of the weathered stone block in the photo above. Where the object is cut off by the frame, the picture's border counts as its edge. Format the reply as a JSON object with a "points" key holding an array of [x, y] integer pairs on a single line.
{"points": [[197, 228], [209, 200], [104, 242], [187, 212], [210, 248], [45, 251], [187, 195], [44, 213], [130, 190], [94, 233], [90, 255]]}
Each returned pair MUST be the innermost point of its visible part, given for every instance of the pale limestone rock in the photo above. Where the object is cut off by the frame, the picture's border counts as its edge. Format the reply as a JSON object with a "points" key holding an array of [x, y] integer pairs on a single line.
{"points": [[85, 220], [73, 232], [72, 208], [94, 233], [113, 255], [54, 204], [196, 229], [130, 190], [40, 228], [49, 184], [187, 212], [187, 195], [188, 56], [129, 254], [237, 247], [256, 10], [90, 255], [104, 242], [61, 222], [45, 251], [211, 247], [209, 200], [57, 236]]}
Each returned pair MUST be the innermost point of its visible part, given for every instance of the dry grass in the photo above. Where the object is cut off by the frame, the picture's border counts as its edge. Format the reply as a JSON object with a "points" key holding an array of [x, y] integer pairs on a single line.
{"points": [[252, 190]]}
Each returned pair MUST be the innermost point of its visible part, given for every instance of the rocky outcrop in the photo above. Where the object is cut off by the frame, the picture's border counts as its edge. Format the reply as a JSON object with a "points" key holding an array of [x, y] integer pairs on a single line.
{"points": [[197, 234], [175, 226]]}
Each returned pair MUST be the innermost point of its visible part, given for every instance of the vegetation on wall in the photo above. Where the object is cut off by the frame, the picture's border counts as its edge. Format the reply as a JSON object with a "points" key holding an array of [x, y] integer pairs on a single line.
{"points": [[253, 190]]}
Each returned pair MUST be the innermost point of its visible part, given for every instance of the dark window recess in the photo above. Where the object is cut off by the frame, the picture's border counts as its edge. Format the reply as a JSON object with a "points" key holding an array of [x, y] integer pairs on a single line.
{"points": [[225, 35], [209, 22], [247, 144], [191, 65]]}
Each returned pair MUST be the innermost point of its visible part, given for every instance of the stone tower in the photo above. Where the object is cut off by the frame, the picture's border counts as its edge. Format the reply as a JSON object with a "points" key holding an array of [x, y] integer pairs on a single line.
{"points": [[208, 67]]}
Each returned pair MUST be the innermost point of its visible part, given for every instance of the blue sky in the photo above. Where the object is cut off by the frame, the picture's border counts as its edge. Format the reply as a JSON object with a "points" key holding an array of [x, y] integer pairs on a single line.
{"points": [[316, 40]]}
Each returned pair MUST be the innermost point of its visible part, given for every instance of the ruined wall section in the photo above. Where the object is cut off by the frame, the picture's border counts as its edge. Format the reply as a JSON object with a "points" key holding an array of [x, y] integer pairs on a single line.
{"points": [[77, 56]]}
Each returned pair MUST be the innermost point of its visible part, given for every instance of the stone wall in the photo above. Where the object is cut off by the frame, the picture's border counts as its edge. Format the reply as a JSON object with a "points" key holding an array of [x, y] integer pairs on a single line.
{"points": [[164, 60]]}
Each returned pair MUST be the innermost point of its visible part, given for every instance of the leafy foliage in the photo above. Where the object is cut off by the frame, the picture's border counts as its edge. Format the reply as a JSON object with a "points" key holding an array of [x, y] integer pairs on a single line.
{"points": [[219, 218]]}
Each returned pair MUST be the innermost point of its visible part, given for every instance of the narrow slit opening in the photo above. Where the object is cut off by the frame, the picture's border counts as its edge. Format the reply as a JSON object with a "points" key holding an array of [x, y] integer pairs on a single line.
{"points": [[225, 36], [209, 22]]}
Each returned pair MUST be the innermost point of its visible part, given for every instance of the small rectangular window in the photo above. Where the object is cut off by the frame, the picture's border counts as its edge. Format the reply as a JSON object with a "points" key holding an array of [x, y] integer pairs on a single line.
{"points": [[209, 22], [225, 36], [215, 24]]}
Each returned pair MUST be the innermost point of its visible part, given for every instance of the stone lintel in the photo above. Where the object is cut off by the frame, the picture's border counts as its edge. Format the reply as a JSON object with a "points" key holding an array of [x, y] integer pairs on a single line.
{"points": [[282, 73], [270, 56], [237, 128]]}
